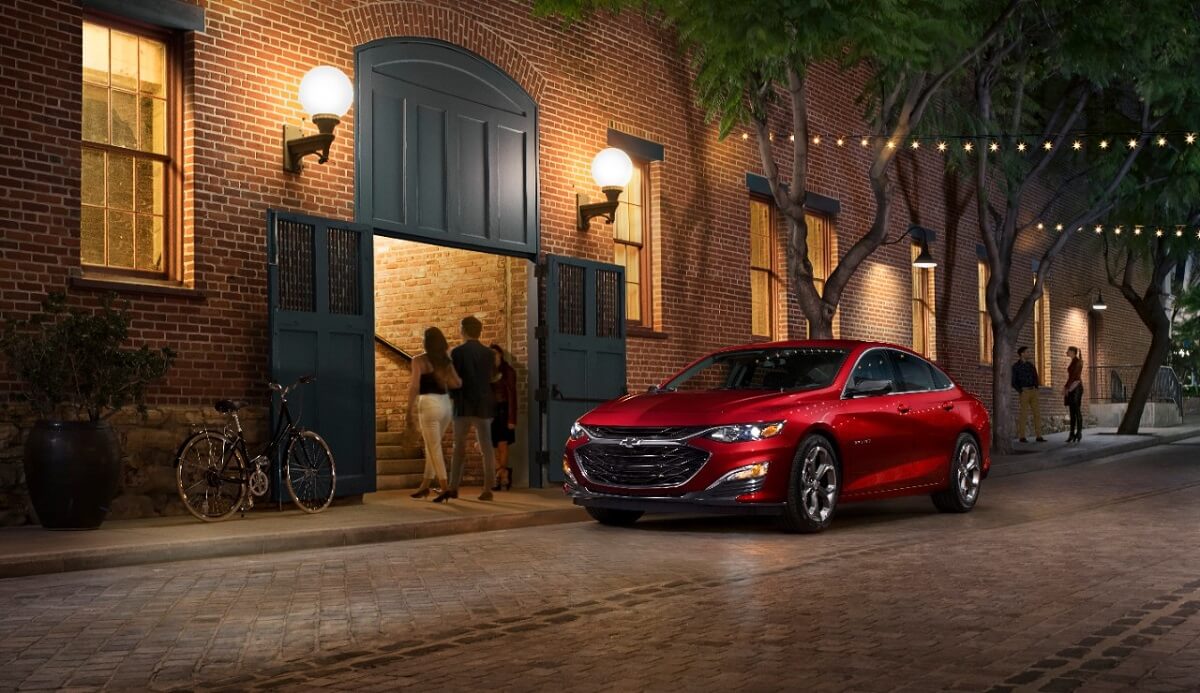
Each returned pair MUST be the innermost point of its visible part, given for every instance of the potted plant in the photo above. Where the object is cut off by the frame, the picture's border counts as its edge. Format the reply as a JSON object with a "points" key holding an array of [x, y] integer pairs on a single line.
{"points": [[75, 373]]}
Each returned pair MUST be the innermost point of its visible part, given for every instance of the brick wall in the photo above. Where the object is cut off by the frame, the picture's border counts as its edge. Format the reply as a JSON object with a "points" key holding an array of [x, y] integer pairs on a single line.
{"points": [[243, 74]]}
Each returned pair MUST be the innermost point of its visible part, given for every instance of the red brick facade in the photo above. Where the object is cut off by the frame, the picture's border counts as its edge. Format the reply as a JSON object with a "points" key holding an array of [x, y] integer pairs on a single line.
{"points": [[241, 78]]}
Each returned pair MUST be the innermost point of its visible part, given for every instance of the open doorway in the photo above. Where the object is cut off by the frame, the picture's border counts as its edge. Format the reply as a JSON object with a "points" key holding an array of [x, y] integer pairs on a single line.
{"points": [[420, 285]]}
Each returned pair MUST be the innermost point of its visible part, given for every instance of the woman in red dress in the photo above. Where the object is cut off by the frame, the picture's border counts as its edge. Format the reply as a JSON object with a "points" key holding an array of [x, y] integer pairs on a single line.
{"points": [[1073, 394]]}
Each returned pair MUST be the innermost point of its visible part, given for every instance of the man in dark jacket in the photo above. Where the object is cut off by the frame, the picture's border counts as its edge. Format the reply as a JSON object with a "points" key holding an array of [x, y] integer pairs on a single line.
{"points": [[1025, 382], [473, 406]]}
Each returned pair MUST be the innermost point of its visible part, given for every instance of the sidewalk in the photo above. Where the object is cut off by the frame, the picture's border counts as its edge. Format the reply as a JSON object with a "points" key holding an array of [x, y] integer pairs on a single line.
{"points": [[393, 516], [1097, 443], [384, 516]]}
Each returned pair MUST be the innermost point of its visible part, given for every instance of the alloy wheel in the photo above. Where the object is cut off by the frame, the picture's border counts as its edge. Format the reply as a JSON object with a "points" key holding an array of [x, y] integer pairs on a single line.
{"points": [[968, 473], [818, 482]]}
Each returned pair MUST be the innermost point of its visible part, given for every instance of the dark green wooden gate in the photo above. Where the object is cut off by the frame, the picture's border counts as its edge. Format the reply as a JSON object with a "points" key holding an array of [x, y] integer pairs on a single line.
{"points": [[585, 345], [322, 321]]}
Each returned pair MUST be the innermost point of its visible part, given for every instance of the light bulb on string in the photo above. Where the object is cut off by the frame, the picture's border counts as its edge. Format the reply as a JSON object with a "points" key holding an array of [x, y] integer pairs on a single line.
{"points": [[1047, 145], [1099, 228], [1190, 138], [791, 138], [840, 141], [994, 146], [968, 147], [1058, 227], [891, 144], [1040, 226], [1104, 144], [816, 139], [1077, 145], [865, 141], [1132, 143], [1158, 233], [1179, 233], [1117, 231], [941, 146], [745, 135], [1161, 141], [916, 144], [1137, 230], [1021, 147]]}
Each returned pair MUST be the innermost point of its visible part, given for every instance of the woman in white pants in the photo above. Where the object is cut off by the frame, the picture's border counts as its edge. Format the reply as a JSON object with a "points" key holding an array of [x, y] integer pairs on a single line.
{"points": [[433, 376]]}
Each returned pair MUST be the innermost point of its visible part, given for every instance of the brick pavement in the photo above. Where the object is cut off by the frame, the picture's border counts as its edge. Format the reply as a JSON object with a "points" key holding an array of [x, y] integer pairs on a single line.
{"points": [[1070, 579]]}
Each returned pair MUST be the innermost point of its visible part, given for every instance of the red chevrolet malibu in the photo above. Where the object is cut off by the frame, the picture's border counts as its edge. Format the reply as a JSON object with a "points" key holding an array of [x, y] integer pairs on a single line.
{"points": [[787, 428]]}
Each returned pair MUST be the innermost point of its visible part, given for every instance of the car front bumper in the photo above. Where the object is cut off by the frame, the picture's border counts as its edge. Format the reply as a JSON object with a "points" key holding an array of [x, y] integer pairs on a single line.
{"points": [[698, 502]]}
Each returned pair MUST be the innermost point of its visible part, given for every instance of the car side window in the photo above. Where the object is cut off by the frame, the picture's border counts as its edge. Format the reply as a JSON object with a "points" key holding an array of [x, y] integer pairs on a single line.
{"points": [[916, 375], [873, 366], [941, 381]]}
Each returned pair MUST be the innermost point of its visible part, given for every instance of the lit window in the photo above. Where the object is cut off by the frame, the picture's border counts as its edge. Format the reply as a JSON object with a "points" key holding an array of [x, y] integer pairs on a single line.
{"points": [[631, 235], [985, 322], [923, 310], [762, 270], [822, 254], [127, 191], [1041, 336]]}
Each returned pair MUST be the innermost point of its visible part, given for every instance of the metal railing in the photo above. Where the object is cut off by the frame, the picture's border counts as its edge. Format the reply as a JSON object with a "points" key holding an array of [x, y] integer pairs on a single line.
{"points": [[1115, 384], [393, 348]]}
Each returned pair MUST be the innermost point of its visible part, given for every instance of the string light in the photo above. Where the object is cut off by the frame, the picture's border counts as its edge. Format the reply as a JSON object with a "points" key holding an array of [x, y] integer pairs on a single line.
{"points": [[1117, 231], [816, 139], [1137, 230], [1179, 233], [840, 141], [1058, 227], [994, 146], [1021, 147], [891, 144], [1158, 233], [968, 147], [1162, 141], [745, 135], [865, 141], [941, 146], [1104, 144], [1047, 145], [916, 144], [1040, 226], [1077, 145], [1099, 228], [1191, 138], [791, 138], [1132, 143]]}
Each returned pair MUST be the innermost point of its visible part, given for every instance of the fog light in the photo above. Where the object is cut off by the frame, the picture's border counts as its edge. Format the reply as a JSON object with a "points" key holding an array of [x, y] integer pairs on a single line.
{"points": [[567, 472], [753, 471]]}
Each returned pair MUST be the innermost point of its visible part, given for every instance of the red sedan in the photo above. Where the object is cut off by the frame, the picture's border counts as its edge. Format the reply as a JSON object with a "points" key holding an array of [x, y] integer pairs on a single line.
{"points": [[788, 428]]}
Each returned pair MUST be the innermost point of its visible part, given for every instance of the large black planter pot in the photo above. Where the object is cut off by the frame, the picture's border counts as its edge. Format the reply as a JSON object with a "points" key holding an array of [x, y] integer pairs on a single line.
{"points": [[73, 470]]}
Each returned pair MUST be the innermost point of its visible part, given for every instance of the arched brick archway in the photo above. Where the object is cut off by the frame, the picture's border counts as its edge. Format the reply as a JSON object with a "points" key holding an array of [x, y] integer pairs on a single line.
{"points": [[374, 21]]}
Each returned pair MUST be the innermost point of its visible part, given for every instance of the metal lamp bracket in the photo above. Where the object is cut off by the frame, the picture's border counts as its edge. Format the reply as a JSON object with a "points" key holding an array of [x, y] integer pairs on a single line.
{"points": [[588, 209]]}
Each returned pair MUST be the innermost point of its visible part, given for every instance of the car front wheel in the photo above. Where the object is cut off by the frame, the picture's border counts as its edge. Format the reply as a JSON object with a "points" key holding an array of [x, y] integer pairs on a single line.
{"points": [[814, 487], [966, 474], [613, 517]]}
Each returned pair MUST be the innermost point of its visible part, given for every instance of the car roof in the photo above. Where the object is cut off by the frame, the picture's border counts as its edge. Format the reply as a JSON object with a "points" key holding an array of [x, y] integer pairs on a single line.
{"points": [[849, 344]]}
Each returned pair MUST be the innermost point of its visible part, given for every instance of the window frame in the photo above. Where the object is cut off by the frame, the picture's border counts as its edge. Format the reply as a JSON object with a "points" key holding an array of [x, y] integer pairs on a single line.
{"points": [[645, 261], [772, 271], [986, 337], [830, 243], [172, 160], [923, 276]]}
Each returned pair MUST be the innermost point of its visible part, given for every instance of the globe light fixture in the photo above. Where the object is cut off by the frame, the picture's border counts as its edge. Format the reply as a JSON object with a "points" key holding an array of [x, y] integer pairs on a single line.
{"points": [[326, 93], [611, 169]]}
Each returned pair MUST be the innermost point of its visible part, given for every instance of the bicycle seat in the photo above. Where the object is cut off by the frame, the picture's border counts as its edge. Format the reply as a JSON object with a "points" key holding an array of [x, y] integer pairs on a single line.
{"points": [[227, 406]]}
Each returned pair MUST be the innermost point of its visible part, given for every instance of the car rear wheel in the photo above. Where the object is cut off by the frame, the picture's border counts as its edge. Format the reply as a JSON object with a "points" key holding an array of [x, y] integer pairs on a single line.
{"points": [[613, 517], [966, 474], [816, 483]]}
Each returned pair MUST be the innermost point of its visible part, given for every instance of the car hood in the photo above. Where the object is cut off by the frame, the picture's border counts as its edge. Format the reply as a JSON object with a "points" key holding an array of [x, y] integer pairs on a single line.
{"points": [[705, 408]]}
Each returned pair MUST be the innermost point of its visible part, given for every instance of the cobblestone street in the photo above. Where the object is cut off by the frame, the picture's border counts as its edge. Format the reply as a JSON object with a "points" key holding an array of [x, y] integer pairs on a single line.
{"points": [[1081, 578]]}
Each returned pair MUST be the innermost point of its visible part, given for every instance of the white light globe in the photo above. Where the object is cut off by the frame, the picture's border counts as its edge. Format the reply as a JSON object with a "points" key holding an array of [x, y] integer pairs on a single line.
{"points": [[612, 168], [326, 89]]}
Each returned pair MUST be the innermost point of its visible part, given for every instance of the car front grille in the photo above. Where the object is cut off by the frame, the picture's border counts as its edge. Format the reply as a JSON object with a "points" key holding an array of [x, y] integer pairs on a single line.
{"points": [[646, 466], [643, 432]]}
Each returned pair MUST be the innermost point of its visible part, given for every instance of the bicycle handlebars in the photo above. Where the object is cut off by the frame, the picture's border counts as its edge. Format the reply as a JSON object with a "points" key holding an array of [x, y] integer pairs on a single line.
{"points": [[302, 380]]}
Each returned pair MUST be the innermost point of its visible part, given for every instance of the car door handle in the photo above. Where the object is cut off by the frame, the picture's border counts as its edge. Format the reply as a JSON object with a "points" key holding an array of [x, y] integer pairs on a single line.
{"points": [[947, 406], [902, 408]]}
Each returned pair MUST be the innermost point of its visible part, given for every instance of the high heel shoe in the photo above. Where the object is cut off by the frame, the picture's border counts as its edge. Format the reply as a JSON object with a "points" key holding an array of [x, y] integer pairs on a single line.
{"points": [[445, 496], [499, 484], [508, 478], [421, 493]]}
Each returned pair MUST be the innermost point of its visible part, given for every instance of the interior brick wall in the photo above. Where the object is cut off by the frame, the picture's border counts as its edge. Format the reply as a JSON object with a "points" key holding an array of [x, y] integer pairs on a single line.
{"points": [[244, 72]]}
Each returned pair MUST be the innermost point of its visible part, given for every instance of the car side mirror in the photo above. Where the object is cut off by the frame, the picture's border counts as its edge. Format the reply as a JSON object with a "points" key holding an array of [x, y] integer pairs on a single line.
{"points": [[867, 388]]}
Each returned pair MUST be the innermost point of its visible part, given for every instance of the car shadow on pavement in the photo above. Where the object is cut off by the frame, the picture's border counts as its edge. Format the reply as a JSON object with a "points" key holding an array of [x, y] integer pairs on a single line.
{"points": [[857, 515]]}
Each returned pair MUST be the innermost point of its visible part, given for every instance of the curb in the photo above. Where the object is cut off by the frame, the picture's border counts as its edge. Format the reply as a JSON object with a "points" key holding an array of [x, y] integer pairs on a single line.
{"points": [[1047, 461], [94, 559]]}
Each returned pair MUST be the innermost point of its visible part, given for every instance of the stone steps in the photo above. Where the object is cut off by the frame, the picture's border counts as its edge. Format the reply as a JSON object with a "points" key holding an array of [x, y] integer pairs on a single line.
{"points": [[405, 465], [391, 482]]}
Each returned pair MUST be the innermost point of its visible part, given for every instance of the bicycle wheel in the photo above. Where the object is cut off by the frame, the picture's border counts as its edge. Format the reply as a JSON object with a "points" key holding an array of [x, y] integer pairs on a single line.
{"points": [[209, 473], [310, 475]]}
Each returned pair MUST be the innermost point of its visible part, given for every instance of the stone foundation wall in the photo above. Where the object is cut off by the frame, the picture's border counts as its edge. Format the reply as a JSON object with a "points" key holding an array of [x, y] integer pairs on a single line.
{"points": [[148, 447]]}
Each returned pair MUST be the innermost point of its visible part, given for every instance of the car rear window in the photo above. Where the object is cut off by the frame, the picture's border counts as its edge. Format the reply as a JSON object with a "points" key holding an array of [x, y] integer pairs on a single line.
{"points": [[801, 368]]}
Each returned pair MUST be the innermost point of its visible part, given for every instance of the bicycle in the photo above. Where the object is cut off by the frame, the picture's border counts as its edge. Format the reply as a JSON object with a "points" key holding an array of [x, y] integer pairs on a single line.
{"points": [[216, 477]]}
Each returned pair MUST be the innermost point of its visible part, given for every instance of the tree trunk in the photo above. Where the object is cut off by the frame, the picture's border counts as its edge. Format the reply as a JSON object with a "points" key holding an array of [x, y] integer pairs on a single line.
{"points": [[1160, 345], [1002, 392]]}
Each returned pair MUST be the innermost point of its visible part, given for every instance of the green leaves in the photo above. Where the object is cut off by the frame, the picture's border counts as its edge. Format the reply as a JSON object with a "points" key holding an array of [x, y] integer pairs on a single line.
{"points": [[72, 359]]}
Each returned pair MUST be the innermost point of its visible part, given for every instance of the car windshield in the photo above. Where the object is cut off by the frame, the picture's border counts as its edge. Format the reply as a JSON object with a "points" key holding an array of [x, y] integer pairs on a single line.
{"points": [[801, 368]]}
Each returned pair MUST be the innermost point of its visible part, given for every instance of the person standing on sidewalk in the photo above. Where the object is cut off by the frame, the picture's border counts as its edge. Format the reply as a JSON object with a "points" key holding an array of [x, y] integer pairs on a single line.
{"points": [[1025, 382], [1073, 394], [473, 407], [433, 375], [504, 424]]}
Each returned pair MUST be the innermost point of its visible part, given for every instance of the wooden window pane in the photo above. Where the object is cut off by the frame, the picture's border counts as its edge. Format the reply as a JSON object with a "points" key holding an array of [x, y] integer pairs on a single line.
{"points": [[92, 179], [124, 119], [91, 235], [152, 67], [120, 239], [120, 181], [95, 114], [633, 265], [95, 53], [633, 300], [149, 242], [633, 191], [152, 125], [621, 222], [124, 56], [760, 291], [634, 233]]}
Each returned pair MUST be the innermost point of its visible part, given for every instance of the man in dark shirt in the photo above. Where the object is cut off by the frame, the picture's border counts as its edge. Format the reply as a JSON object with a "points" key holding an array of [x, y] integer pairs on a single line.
{"points": [[1025, 382], [473, 406]]}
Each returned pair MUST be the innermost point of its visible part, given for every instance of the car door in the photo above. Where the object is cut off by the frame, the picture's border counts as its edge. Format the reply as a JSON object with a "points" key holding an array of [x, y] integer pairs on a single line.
{"points": [[927, 427], [868, 427]]}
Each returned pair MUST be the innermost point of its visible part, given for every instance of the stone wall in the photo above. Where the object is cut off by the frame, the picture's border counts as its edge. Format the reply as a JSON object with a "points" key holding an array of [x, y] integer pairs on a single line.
{"points": [[148, 448]]}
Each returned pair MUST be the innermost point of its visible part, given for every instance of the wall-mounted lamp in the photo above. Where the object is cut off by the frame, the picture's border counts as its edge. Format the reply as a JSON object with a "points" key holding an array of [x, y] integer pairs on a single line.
{"points": [[326, 94], [1099, 303], [611, 169], [924, 259]]}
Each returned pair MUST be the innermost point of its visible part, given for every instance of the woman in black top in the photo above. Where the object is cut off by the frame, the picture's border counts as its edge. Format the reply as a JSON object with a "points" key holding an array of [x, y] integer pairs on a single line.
{"points": [[433, 375], [504, 422]]}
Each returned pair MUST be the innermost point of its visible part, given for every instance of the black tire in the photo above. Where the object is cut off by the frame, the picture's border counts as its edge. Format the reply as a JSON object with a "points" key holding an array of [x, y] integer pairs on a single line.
{"points": [[814, 487], [965, 478], [310, 474], [205, 471], [613, 517]]}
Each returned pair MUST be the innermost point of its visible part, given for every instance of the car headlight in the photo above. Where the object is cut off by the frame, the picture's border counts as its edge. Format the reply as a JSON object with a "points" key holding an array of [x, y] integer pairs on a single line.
{"points": [[577, 431], [746, 432]]}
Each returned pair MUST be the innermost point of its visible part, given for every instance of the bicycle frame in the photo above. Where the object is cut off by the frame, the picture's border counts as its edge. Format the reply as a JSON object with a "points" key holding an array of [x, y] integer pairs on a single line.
{"points": [[285, 428]]}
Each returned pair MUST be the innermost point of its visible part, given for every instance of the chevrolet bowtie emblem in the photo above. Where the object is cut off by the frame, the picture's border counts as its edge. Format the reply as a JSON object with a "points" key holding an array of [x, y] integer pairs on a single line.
{"points": [[629, 442]]}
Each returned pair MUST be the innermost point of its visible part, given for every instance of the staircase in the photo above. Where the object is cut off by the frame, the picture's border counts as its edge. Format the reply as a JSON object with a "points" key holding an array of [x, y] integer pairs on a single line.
{"points": [[399, 458]]}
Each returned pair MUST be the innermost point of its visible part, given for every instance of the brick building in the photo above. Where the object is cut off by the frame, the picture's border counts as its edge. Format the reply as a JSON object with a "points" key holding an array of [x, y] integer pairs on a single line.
{"points": [[177, 109]]}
